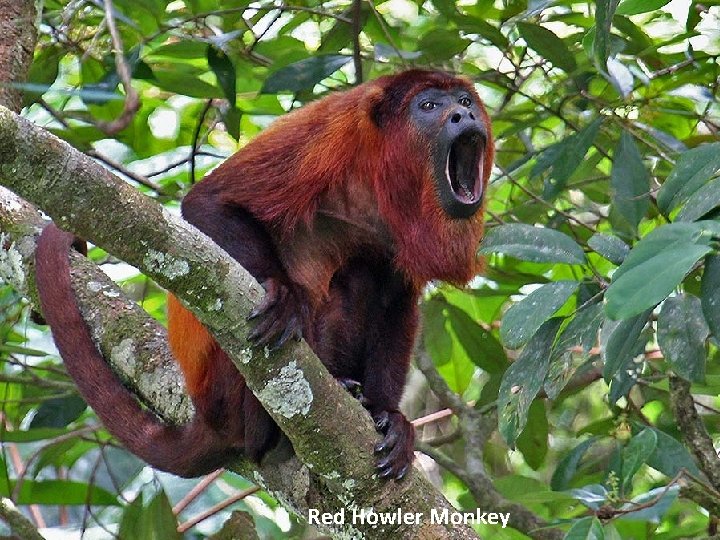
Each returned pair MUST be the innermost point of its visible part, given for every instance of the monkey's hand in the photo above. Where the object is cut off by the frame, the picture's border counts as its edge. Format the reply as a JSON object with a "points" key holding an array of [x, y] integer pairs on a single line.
{"points": [[354, 388], [397, 445], [278, 316]]}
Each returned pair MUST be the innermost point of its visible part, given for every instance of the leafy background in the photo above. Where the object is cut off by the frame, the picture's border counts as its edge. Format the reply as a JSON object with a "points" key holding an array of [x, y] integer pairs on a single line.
{"points": [[602, 276]]}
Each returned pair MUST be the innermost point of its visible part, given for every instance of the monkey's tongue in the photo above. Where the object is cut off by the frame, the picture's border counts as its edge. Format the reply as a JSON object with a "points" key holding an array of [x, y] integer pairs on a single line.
{"points": [[463, 168]]}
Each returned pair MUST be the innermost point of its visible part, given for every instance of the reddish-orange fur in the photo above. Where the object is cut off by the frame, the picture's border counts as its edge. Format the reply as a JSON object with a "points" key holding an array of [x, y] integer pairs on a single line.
{"points": [[334, 208]]}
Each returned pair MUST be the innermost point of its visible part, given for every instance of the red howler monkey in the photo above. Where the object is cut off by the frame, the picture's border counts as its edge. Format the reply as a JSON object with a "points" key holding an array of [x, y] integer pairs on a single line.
{"points": [[343, 211]]}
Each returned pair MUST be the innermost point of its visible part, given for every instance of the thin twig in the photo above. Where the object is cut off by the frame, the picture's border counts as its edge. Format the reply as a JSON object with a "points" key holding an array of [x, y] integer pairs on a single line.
{"points": [[132, 99], [119, 167], [196, 138], [196, 491], [217, 508], [357, 28]]}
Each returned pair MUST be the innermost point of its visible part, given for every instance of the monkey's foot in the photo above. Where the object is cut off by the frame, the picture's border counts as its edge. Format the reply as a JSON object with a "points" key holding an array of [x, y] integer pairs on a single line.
{"points": [[278, 316], [397, 445]]}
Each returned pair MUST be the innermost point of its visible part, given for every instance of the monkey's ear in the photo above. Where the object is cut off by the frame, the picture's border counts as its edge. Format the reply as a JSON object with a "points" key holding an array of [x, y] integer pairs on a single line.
{"points": [[378, 106]]}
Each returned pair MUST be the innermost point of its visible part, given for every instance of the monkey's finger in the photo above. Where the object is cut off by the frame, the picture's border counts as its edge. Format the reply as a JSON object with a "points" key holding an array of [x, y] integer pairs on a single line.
{"points": [[397, 462], [386, 473], [265, 331], [353, 387], [402, 472], [391, 438], [272, 295], [290, 330], [382, 421]]}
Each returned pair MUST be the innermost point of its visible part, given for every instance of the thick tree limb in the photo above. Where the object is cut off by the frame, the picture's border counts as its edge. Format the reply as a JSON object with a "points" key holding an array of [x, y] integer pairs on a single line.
{"points": [[17, 44], [330, 431]]}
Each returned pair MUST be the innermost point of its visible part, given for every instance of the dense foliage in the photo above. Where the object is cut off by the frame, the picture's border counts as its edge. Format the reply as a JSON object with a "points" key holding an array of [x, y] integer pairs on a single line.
{"points": [[602, 286]]}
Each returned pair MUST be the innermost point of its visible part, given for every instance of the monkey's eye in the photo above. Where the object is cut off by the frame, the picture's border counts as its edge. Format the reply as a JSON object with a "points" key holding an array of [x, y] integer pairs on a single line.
{"points": [[465, 101], [428, 105]]}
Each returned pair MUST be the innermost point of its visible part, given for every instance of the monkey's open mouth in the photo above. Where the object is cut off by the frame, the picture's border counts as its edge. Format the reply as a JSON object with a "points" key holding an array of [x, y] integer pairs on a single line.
{"points": [[463, 167]]}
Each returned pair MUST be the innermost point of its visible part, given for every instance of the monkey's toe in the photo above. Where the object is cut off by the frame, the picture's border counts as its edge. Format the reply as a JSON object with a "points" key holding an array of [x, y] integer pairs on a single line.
{"points": [[397, 447]]}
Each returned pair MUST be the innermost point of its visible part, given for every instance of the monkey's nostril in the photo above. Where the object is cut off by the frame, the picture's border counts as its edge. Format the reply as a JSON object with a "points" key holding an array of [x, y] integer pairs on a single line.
{"points": [[472, 116], [456, 118]]}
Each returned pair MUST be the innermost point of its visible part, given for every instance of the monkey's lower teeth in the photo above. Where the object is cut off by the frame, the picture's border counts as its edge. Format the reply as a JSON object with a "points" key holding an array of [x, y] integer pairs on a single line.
{"points": [[467, 192]]}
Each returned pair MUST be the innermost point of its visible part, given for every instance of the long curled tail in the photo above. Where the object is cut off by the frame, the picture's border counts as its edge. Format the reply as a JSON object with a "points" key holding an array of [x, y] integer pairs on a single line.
{"points": [[187, 450]]}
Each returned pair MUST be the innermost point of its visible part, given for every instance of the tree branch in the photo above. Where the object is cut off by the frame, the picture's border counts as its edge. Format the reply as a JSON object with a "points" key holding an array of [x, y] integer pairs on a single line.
{"points": [[18, 35], [19, 524], [132, 99], [693, 430]]}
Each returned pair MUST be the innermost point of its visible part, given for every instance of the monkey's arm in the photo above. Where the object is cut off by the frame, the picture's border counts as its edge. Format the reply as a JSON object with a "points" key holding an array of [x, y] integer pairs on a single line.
{"points": [[247, 240], [218, 391], [386, 367]]}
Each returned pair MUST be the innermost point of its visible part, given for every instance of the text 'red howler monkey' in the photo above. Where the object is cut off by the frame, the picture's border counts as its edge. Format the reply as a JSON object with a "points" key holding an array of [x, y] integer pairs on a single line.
{"points": [[343, 211]]}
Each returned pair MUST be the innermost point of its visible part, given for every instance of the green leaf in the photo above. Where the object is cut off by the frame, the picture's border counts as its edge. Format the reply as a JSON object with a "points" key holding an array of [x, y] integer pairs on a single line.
{"points": [[692, 170], [32, 435], [186, 82], [582, 332], [58, 412], [604, 11], [630, 182], [437, 339], [480, 345], [522, 320], [523, 380], [154, 522], [60, 492], [224, 70], [568, 465], [533, 441], [445, 351], [681, 334], [185, 49], [636, 453], [659, 500], [592, 496], [482, 27], [43, 72], [305, 74], [441, 44], [670, 456], [548, 45], [710, 294], [610, 247], [341, 33], [231, 119], [159, 522], [131, 522], [8, 348], [587, 528], [619, 342], [656, 265], [536, 244], [564, 157], [634, 7], [701, 202]]}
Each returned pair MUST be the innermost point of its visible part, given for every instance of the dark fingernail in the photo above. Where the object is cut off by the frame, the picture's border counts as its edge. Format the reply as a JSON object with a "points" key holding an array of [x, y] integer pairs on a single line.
{"points": [[386, 473]]}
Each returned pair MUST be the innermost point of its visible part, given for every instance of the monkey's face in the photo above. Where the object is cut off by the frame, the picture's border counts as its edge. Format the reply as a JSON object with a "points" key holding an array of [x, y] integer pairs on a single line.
{"points": [[454, 124]]}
